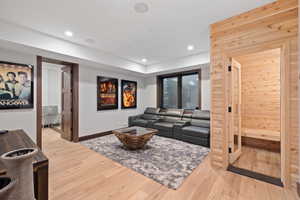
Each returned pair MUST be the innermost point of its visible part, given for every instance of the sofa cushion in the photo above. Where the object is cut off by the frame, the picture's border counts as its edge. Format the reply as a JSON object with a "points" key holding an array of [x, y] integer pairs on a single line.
{"points": [[171, 115], [149, 117], [153, 111], [171, 119], [201, 123], [173, 112], [187, 113], [140, 122], [196, 131], [201, 114], [163, 125]]}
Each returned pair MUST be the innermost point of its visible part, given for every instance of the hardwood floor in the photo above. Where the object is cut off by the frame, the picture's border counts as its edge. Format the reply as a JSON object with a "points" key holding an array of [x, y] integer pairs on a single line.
{"points": [[259, 160], [79, 173]]}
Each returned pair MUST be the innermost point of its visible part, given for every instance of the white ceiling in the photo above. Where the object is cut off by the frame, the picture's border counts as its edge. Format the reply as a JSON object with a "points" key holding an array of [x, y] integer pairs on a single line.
{"points": [[160, 35]]}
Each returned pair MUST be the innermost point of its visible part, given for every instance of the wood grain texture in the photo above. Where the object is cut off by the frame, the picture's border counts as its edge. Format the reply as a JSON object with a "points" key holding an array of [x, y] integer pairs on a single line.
{"points": [[261, 92], [88, 175], [260, 161], [298, 183], [235, 119], [75, 102], [272, 26], [66, 103], [261, 143], [39, 96], [262, 134]]}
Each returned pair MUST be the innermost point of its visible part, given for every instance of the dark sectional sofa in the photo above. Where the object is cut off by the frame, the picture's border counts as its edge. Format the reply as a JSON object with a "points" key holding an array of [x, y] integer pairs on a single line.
{"points": [[191, 126]]}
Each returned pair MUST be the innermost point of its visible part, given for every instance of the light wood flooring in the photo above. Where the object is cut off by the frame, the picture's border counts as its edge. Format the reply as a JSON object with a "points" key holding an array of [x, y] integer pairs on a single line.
{"points": [[77, 173], [259, 160]]}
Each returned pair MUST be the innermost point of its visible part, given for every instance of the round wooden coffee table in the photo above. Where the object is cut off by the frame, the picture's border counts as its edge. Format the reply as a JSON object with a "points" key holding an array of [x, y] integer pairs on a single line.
{"points": [[135, 137]]}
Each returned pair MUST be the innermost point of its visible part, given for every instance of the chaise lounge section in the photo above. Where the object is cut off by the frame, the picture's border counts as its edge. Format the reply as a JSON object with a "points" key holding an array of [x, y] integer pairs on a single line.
{"points": [[166, 123], [196, 130], [144, 120]]}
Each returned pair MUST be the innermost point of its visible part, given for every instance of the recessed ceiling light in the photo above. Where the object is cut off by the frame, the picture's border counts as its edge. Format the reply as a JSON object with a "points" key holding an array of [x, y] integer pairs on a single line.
{"points": [[144, 60], [141, 7], [190, 47], [69, 33]]}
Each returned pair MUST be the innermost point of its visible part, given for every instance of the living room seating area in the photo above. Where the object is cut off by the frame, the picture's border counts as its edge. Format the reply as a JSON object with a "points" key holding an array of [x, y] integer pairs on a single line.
{"points": [[187, 125], [149, 100]]}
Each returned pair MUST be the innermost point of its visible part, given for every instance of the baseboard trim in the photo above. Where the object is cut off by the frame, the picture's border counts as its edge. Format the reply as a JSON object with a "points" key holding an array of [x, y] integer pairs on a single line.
{"points": [[92, 136], [255, 175]]}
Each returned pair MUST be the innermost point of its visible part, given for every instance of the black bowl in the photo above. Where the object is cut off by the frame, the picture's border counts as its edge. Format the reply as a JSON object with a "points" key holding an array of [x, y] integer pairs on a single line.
{"points": [[4, 181]]}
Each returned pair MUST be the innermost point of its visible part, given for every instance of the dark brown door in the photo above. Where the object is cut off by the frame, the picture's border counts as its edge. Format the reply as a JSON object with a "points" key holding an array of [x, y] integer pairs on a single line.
{"points": [[66, 121]]}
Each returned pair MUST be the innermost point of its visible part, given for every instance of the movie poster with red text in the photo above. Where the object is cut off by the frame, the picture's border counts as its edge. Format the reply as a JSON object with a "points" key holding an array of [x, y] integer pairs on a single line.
{"points": [[107, 93]]}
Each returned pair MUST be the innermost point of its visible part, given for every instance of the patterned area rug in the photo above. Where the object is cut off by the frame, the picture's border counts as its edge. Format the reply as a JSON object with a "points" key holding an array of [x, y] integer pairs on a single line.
{"points": [[164, 160]]}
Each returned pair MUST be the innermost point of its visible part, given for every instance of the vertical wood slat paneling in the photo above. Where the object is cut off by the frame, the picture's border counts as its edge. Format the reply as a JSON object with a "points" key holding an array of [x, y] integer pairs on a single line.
{"points": [[272, 26], [261, 92]]}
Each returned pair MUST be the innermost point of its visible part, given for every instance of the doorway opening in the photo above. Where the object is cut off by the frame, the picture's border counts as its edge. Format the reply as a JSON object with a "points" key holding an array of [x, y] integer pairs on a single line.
{"points": [[254, 115], [57, 99]]}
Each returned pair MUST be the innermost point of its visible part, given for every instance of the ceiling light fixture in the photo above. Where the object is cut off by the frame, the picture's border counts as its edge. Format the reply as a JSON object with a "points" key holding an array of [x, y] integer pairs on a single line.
{"points": [[69, 33], [141, 7], [144, 60], [190, 47]]}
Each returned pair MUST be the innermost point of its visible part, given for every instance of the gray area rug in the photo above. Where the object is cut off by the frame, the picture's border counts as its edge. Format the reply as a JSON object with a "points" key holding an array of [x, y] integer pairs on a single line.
{"points": [[164, 160]]}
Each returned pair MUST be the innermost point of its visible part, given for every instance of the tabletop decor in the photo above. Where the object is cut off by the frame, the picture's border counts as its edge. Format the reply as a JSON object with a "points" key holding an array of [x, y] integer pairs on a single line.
{"points": [[20, 168]]}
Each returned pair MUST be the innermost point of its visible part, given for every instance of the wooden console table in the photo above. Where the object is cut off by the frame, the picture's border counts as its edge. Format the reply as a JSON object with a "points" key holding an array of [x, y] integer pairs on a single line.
{"points": [[19, 139]]}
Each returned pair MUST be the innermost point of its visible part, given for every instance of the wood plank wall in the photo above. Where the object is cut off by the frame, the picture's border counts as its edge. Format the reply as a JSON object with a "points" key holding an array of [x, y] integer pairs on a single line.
{"points": [[261, 94], [274, 25]]}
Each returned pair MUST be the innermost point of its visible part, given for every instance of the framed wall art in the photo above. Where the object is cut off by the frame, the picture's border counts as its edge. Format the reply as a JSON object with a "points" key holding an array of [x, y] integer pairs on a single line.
{"points": [[129, 94], [107, 93], [16, 86]]}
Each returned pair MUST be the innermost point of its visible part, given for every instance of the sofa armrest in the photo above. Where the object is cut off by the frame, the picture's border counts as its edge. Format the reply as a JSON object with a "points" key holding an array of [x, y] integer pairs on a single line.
{"points": [[152, 121], [132, 118]]}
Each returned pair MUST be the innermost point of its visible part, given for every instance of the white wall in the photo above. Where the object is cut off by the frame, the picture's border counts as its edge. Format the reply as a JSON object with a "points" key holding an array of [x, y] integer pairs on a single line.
{"points": [[150, 89], [150, 98], [92, 121], [23, 118], [51, 85]]}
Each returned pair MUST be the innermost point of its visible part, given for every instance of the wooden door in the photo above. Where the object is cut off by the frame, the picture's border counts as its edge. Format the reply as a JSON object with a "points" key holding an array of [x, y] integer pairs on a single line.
{"points": [[66, 121], [234, 111]]}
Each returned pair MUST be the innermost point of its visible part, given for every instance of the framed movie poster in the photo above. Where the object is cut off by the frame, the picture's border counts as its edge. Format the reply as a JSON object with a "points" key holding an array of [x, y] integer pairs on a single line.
{"points": [[16, 86], [107, 93], [129, 91]]}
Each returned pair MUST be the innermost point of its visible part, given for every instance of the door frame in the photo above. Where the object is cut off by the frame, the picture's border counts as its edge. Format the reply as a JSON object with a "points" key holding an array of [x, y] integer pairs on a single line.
{"points": [[284, 47], [75, 97], [234, 155]]}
